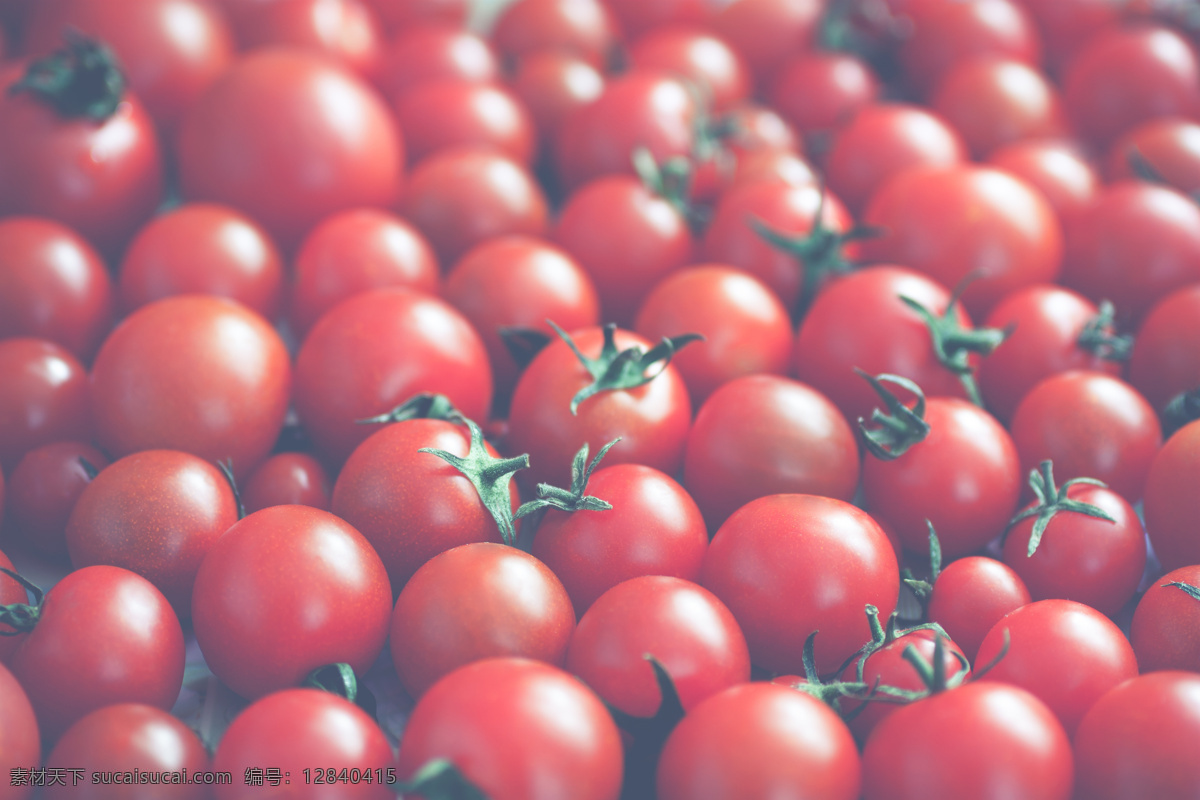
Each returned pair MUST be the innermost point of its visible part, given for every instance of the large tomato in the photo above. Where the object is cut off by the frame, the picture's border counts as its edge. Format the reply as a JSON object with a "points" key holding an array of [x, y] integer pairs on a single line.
{"points": [[434, 51], [704, 60], [43, 398], [1172, 504], [819, 91], [766, 32], [1165, 631], [1166, 352], [581, 27], [287, 479], [552, 85], [1169, 146]]}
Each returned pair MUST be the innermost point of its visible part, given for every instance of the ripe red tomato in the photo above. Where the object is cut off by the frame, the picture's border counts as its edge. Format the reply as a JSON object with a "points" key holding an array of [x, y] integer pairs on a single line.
{"points": [[1172, 504], [239, 143], [1066, 25], [760, 740], [398, 15], [700, 57], [1055, 168], [1165, 631], [552, 84], [583, 28], [195, 373], [766, 32], [818, 91], [1166, 351], [519, 730], [971, 595], [20, 744], [434, 50], [373, 351], [325, 600], [53, 285], [105, 635], [637, 17], [476, 601], [10, 592], [43, 398], [455, 112], [200, 248], [44, 488], [130, 737], [343, 31], [1169, 146], [287, 479]]}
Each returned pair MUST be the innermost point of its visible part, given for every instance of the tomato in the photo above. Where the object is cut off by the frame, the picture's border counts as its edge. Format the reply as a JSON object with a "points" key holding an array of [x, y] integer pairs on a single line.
{"points": [[768, 165], [645, 237], [124, 738], [818, 91], [325, 600], [240, 143], [984, 740], [441, 114], [1091, 425], [584, 28], [287, 479], [653, 528], [53, 285], [44, 398], [1137, 741], [10, 592], [1164, 629], [1134, 244], [461, 197], [519, 730], [170, 50], [354, 251], [971, 595], [883, 140], [200, 248], [105, 635], [519, 282], [20, 744], [551, 85], [787, 565], [1171, 503], [310, 735], [746, 329], [477, 601], [397, 15], [1166, 351], [652, 419], [84, 154], [345, 31], [377, 349], [743, 133], [760, 740], [703, 59], [44, 488], [1055, 168], [1125, 76], [1065, 653], [637, 17], [212, 378], [766, 32], [434, 51], [1169, 146], [1066, 25]]}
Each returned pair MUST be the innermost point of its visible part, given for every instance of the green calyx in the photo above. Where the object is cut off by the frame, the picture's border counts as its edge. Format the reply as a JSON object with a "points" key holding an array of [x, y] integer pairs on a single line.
{"points": [[22, 617], [900, 427], [1051, 500], [490, 476], [924, 589], [933, 673], [80, 80], [340, 679], [1100, 338], [440, 779], [671, 180], [1182, 409], [226, 468], [420, 406], [1186, 588], [882, 636], [575, 498], [624, 369]]}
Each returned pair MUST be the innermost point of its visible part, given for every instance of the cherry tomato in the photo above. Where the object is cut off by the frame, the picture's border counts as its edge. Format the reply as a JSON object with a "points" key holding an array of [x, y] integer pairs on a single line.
{"points": [[1053, 167], [637, 17], [20, 744], [1066, 25], [1166, 351], [971, 595], [434, 51], [397, 15], [345, 31], [709, 64], [818, 92], [766, 32], [287, 479], [584, 28], [1172, 504], [326, 599], [552, 85], [44, 398], [1169, 146], [44, 488], [453, 112], [1164, 628], [10, 592]]}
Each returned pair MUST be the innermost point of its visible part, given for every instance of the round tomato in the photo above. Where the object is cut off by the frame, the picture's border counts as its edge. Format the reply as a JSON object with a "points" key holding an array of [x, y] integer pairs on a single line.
{"points": [[1166, 352], [581, 27], [1056, 168], [1170, 147], [1165, 631], [1172, 504], [637, 17], [20, 744], [453, 112], [432, 51], [11, 592], [818, 91], [552, 85], [971, 595], [287, 479], [703, 59], [45, 487], [43, 398], [766, 32], [343, 31]]}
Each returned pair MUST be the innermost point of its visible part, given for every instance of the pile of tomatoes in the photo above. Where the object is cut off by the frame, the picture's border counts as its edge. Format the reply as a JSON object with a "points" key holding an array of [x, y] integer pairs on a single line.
{"points": [[647, 398]]}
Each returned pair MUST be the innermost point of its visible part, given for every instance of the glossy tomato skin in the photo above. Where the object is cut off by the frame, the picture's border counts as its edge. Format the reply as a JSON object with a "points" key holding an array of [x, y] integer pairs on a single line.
{"points": [[44, 398], [1164, 631], [202, 248], [351, 153], [1166, 351], [105, 636], [374, 351], [130, 737], [1066, 25], [971, 595], [305, 730], [766, 32], [195, 373], [951, 222], [20, 743], [344, 31], [53, 285], [1138, 740], [652, 419], [1171, 501], [326, 600], [1091, 425], [637, 18], [1055, 168], [653, 528], [762, 435], [519, 730], [818, 92], [476, 601], [983, 740], [1171, 145], [1065, 653], [454, 112], [287, 479], [44, 488], [552, 84], [791, 563], [433, 51], [401, 16], [584, 28], [163, 540], [700, 57], [964, 478], [760, 740]]}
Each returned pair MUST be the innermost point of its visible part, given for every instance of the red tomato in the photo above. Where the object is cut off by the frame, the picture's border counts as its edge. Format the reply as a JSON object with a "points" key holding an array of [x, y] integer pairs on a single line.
{"points": [[1055, 168], [287, 479], [1065, 653], [124, 738], [790, 564], [477, 601], [325, 600], [53, 285], [1166, 351], [1169, 146], [1138, 740], [519, 730], [551, 85], [43, 398], [971, 595], [766, 32], [345, 31], [10, 592], [1172, 504], [760, 740], [454, 112], [819, 91], [637, 17], [105, 635], [1165, 631], [373, 351], [44, 488], [239, 144], [312, 736], [1066, 25], [699, 57], [460, 198], [212, 379], [581, 27], [434, 51], [951, 222], [653, 528], [1091, 425], [200, 248], [20, 744], [355, 251], [400, 14], [985, 740]]}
